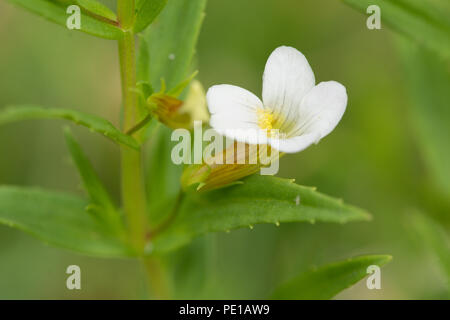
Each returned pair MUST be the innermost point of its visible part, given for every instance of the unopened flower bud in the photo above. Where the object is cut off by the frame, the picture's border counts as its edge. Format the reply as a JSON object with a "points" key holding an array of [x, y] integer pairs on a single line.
{"points": [[176, 113], [228, 166]]}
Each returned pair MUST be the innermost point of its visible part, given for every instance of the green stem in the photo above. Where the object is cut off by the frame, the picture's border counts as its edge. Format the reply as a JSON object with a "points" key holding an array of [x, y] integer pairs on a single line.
{"points": [[157, 285], [125, 13], [139, 125], [133, 187]]}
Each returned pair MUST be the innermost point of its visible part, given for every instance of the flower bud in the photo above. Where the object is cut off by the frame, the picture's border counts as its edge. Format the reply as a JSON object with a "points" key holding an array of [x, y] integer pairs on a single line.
{"points": [[226, 167], [176, 113], [167, 108], [195, 104]]}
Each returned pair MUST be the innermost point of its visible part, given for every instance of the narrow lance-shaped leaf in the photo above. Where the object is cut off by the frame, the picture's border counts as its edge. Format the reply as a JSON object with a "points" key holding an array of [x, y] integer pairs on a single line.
{"points": [[59, 219], [327, 281], [143, 61], [95, 123], [98, 8], [146, 12], [102, 204], [172, 41], [57, 13], [426, 22], [260, 199], [163, 175]]}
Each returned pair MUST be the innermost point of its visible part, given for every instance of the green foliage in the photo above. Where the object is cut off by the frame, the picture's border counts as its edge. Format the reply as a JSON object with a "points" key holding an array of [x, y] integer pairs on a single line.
{"points": [[434, 238], [428, 81], [97, 8], [95, 123], [146, 12], [163, 176], [260, 199], [58, 219], [191, 267], [424, 21], [179, 88], [327, 281], [175, 33], [371, 158], [102, 204], [143, 61], [56, 12], [172, 40]]}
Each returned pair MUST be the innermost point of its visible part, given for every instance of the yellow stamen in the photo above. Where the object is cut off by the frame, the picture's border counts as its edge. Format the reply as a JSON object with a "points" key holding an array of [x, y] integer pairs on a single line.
{"points": [[265, 119]]}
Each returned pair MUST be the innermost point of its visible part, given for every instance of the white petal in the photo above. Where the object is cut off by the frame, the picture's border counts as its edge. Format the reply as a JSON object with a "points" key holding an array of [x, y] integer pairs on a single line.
{"points": [[293, 145], [233, 113], [225, 98], [250, 135], [287, 78], [321, 109]]}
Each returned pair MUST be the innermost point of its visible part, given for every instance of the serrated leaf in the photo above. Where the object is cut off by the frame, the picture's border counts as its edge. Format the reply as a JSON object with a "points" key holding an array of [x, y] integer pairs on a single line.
{"points": [[146, 12], [172, 39], [103, 205], [98, 8], [434, 239], [424, 21], [58, 219], [260, 199], [56, 12], [428, 81], [327, 281], [95, 123]]}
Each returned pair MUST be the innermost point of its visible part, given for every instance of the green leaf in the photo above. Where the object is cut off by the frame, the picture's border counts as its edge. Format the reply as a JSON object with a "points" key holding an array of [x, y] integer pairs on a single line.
{"points": [[163, 176], [426, 22], [173, 35], [327, 281], [179, 88], [58, 219], [98, 8], [428, 81], [171, 41], [260, 199], [143, 61], [434, 239], [192, 268], [102, 204], [97, 124], [56, 12], [146, 12]]}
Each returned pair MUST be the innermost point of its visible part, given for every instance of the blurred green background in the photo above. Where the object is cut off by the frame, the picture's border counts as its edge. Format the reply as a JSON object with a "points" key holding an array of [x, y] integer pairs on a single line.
{"points": [[372, 159]]}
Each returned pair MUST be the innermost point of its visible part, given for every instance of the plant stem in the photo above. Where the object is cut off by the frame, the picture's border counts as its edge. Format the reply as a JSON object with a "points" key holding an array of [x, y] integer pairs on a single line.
{"points": [[156, 278], [133, 187], [125, 13], [139, 126]]}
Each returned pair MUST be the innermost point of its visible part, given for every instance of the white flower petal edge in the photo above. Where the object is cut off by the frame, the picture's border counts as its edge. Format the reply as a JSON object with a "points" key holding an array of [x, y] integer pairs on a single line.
{"points": [[286, 80], [320, 112], [234, 113], [295, 144], [322, 108]]}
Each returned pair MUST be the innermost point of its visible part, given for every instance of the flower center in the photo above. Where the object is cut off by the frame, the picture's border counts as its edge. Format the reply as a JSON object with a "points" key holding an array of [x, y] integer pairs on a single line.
{"points": [[266, 119]]}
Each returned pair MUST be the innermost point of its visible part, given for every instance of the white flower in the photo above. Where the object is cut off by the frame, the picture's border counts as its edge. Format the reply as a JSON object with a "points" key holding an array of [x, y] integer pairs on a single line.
{"points": [[301, 111]]}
